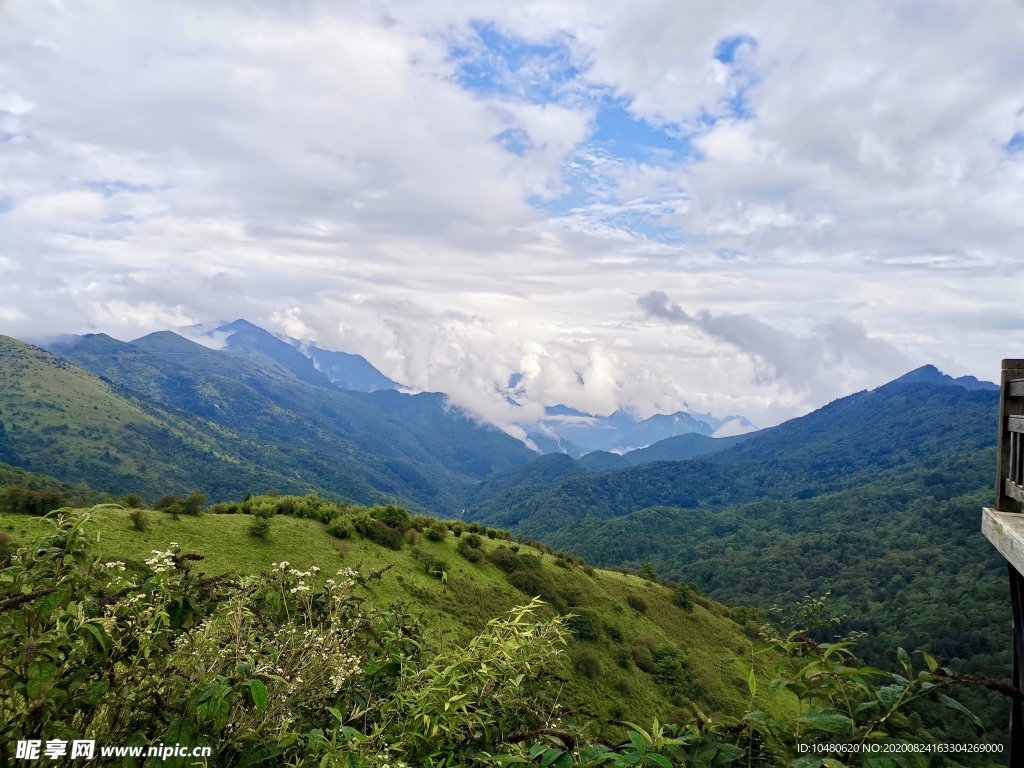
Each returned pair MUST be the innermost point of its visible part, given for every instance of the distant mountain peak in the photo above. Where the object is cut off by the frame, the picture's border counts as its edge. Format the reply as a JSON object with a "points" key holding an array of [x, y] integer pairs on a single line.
{"points": [[929, 374]]}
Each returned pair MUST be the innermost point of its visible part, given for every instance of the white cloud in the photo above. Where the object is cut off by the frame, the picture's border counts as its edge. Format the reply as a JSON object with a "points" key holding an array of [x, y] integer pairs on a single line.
{"points": [[322, 169]]}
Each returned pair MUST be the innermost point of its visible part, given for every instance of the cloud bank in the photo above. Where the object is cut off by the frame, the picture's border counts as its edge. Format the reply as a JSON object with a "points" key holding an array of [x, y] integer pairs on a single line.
{"points": [[461, 191]]}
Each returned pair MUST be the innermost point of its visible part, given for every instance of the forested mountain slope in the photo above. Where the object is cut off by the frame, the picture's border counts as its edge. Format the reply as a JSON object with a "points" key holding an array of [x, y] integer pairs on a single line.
{"points": [[839, 446], [230, 422]]}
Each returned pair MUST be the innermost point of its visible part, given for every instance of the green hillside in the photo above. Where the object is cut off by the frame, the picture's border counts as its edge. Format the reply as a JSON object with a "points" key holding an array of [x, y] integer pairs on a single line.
{"points": [[703, 643], [182, 416], [903, 557], [60, 420], [365, 446]]}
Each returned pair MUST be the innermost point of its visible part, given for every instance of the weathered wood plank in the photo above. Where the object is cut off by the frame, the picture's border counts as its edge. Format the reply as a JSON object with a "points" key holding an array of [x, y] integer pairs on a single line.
{"points": [[1015, 388], [1006, 532], [1015, 423], [1013, 490], [1009, 407]]}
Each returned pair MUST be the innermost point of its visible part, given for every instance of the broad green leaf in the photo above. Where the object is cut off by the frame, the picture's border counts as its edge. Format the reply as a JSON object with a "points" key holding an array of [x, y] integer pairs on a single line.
{"points": [[550, 756], [537, 749], [954, 704], [40, 673], [661, 760], [180, 731], [830, 722], [638, 741], [97, 634], [727, 753], [259, 694], [752, 682]]}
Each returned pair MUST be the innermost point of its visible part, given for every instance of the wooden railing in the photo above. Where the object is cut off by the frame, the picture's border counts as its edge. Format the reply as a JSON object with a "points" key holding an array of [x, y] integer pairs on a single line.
{"points": [[1005, 529]]}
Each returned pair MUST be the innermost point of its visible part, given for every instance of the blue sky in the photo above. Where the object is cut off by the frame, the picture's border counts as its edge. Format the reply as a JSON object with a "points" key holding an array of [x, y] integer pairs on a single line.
{"points": [[501, 66]]}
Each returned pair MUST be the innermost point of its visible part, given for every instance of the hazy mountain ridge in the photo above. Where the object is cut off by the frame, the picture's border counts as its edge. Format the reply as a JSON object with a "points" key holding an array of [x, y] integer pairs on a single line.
{"points": [[577, 433], [823, 451]]}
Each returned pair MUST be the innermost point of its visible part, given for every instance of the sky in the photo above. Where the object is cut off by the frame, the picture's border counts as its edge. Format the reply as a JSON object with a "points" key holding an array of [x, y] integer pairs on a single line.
{"points": [[750, 208]]}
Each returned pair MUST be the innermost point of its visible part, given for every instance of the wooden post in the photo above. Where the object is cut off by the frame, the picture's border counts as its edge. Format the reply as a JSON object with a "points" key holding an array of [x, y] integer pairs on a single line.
{"points": [[1011, 403]]}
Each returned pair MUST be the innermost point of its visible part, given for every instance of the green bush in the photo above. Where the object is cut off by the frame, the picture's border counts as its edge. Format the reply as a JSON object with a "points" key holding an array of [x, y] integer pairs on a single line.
{"points": [[642, 650], [193, 503], [139, 520], [259, 528], [470, 552], [474, 541], [165, 501], [584, 625], [624, 658], [613, 632], [436, 532], [385, 535], [587, 664], [132, 501], [341, 527], [420, 522], [392, 516], [18, 498], [505, 559], [637, 603], [682, 597]]}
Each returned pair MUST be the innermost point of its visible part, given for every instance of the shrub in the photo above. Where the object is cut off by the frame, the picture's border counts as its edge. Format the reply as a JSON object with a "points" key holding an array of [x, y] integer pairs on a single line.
{"points": [[587, 664], [341, 527], [193, 503], [436, 532], [165, 501], [642, 650], [392, 516], [637, 603], [259, 528], [622, 687], [537, 584], [584, 625], [386, 536], [224, 508], [7, 546], [470, 552], [132, 501], [474, 541], [412, 536], [623, 658], [18, 498], [491, 533], [613, 632], [670, 667], [505, 559], [456, 531], [420, 522], [529, 562], [139, 521], [681, 598], [514, 547]]}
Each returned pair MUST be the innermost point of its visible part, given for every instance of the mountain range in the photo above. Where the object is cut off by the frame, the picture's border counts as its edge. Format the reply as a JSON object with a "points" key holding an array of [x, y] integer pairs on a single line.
{"points": [[874, 496]]}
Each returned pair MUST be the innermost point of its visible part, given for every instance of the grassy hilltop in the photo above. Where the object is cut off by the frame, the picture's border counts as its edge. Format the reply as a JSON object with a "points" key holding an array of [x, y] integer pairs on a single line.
{"points": [[629, 624]]}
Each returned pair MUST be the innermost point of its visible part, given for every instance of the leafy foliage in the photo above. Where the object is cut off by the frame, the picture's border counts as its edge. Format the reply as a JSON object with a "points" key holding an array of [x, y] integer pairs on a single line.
{"points": [[295, 668]]}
